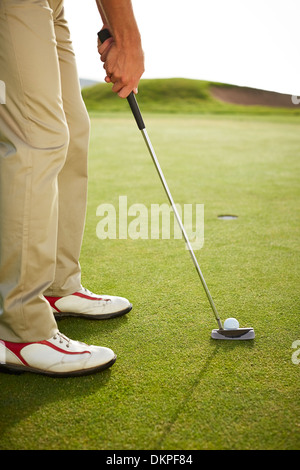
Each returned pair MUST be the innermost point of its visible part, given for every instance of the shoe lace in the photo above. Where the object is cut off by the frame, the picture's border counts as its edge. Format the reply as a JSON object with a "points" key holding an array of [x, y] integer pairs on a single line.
{"points": [[62, 339], [88, 292]]}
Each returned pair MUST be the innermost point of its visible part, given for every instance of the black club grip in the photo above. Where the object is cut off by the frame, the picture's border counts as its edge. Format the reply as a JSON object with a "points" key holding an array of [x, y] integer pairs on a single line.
{"points": [[103, 35]]}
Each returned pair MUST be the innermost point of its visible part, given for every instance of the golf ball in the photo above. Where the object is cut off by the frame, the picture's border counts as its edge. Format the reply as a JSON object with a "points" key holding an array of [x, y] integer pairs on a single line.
{"points": [[231, 324]]}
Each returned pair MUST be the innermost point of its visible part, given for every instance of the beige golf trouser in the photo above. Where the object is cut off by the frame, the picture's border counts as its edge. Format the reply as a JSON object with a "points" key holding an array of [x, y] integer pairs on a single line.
{"points": [[44, 134]]}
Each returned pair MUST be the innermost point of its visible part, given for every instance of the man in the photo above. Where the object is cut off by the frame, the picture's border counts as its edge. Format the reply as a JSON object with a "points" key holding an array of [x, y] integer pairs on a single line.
{"points": [[44, 135]]}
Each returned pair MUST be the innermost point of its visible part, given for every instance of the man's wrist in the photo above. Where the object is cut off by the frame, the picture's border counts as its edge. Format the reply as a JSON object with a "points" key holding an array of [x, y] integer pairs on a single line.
{"points": [[127, 38]]}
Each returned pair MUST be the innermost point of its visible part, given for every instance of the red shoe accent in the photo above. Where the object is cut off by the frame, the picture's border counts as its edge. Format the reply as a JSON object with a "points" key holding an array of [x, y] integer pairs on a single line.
{"points": [[84, 296], [16, 349], [52, 301]]}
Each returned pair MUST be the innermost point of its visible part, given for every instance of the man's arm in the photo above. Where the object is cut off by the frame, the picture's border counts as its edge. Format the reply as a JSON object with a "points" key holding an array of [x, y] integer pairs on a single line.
{"points": [[102, 14], [122, 54]]}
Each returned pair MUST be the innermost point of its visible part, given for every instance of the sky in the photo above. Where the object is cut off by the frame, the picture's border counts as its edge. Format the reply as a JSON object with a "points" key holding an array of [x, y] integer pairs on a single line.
{"points": [[251, 43]]}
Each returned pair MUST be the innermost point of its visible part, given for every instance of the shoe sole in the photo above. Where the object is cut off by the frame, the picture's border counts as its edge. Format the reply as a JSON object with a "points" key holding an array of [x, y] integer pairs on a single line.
{"points": [[103, 316], [19, 369]]}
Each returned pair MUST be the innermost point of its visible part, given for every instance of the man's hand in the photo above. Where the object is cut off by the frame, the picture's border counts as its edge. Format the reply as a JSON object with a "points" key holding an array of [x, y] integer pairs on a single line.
{"points": [[124, 65]]}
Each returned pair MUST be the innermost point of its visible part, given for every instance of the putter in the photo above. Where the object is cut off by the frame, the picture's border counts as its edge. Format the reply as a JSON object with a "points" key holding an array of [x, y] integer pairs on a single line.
{"points": [[220, 333]]}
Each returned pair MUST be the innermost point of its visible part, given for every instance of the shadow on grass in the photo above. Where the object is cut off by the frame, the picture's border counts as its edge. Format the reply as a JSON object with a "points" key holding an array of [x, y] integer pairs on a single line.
{"points": [[219, 346]]}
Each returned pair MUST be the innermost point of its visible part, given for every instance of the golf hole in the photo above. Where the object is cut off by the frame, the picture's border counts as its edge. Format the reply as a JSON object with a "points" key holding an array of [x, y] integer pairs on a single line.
{"points": [[227, 217]]}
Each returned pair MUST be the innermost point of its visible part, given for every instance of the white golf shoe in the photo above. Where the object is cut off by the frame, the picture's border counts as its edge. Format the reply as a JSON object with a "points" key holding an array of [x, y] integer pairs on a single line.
{"points": [[58, 356], [85, 304]]}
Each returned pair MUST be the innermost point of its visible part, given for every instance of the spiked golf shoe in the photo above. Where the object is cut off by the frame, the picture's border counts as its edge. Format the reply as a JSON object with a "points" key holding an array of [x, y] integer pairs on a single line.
{"points": [[85, 304], [58, 356]]}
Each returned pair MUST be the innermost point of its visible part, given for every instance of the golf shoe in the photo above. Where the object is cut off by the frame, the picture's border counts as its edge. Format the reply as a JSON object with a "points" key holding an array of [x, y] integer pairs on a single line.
{"points": [[58, 356], [85, 304]]}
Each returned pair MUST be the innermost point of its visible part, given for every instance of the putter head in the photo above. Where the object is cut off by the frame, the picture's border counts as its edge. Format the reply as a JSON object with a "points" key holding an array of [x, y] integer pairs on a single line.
{"points": [[237, 334]]}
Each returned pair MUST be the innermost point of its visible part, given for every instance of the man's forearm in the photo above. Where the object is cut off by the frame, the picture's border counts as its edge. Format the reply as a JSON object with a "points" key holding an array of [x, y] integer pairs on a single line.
{"points": [[122, 54], [119, 16], [104, 19]]}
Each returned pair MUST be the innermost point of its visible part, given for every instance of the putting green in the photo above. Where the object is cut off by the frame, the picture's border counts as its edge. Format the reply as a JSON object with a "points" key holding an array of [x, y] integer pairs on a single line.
{"points": [[173, 387]]}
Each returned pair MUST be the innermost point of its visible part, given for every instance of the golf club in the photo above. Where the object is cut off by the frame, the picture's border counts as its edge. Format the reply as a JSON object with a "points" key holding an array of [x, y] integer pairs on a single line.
{"points": [[220, 333]]}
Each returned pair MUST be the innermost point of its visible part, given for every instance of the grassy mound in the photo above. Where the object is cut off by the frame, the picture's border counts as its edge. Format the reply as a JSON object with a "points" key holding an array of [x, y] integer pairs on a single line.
{"points": [[179, 95]]}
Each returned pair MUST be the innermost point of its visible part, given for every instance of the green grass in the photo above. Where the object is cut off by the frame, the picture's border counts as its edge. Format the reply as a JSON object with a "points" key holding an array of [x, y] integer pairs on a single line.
{"points": [[173, 387]]}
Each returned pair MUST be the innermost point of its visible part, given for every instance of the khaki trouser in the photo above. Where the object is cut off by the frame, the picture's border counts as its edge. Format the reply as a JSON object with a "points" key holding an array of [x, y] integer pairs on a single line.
{"points": [[44, 134]]}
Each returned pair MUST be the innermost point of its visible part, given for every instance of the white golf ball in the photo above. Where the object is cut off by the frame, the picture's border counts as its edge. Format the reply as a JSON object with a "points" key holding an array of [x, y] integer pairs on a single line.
{"points": [[231, 324]]}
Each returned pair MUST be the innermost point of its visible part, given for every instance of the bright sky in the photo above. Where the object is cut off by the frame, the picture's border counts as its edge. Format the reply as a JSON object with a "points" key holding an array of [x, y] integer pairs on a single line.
{"points": [[251, 43]]}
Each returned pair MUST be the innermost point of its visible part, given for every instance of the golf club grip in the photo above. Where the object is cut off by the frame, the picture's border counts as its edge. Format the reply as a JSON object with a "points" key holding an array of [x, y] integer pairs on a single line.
{"points": [[136, 111], [103, 35]]}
